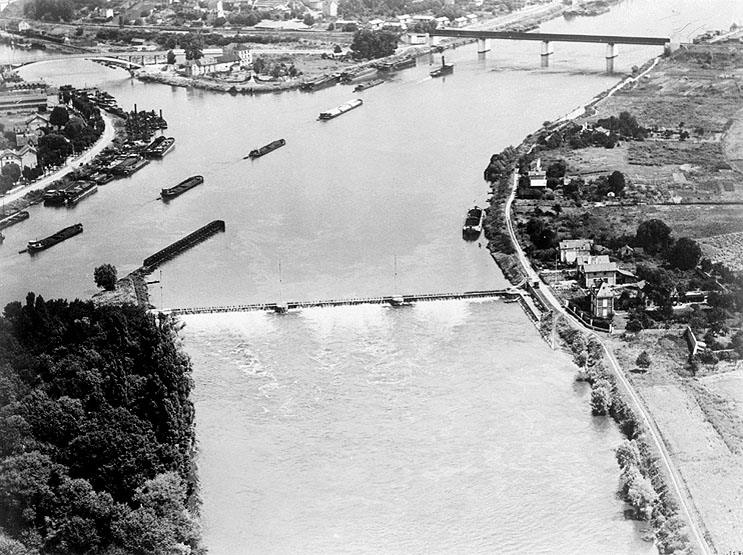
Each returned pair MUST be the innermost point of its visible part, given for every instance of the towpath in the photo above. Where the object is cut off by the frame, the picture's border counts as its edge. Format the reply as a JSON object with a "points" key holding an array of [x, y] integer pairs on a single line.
{"points": [[103, 141]]}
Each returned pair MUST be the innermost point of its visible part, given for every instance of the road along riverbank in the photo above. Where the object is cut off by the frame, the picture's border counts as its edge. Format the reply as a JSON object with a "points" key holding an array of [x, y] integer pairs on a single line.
{"points": [[685, 426]]}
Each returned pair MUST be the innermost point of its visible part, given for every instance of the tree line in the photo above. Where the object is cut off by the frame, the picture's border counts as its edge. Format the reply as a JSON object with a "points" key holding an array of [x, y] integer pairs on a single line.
{"points": [[97, 429]]}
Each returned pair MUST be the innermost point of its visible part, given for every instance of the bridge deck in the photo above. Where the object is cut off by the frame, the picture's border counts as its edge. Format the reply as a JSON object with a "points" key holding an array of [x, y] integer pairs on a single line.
{"points": [[551, 37], [392, 300]]}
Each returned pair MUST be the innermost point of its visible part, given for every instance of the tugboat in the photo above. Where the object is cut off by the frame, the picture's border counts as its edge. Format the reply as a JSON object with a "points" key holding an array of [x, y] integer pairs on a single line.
{"points": [[342, 109], [445, 69], [270, 147], [473, 223], [182, 187], [62, 235]]}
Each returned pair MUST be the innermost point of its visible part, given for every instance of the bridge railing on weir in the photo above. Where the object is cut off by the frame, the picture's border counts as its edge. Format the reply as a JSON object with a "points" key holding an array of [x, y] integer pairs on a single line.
{"points": [[394, 300]]}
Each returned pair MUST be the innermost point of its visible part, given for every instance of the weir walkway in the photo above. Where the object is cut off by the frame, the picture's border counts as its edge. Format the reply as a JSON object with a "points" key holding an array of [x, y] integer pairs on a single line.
{"points": [[393, 300]]}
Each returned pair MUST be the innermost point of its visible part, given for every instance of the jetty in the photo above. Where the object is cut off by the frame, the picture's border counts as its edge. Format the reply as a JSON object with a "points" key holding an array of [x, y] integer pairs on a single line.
{"points": [[392, 300], [182, 245]]}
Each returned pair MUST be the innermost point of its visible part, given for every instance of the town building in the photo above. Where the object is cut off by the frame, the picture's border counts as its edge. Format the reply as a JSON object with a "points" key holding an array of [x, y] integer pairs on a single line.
{"points": [[591, 259], [226, 62], [33, 100], [330, 8], [602, 301], [570, 249], [25, 156], [593, 273], [203, 66]]}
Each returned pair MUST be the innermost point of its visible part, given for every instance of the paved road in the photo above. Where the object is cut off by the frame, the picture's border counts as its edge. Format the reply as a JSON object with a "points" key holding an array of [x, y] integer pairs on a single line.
{"points": [[103, 141], [650, 426]]}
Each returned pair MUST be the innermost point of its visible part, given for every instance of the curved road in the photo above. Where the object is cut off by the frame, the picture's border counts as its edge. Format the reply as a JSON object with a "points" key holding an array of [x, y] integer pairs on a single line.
{"points": [[103, 141], [652, 429]]}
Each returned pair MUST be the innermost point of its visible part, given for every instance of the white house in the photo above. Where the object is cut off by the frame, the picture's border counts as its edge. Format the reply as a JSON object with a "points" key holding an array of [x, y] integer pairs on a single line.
{"points": [[203, 66], [24, 156], [442, 22], [459, 22], [376, 23], [226, 62], [570, 249]]}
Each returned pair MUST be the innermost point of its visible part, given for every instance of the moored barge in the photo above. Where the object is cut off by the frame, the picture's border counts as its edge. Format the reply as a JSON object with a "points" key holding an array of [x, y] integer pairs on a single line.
{"points": [[182, 187], [14, 218], [342, 109], [473, 223], [159, 147], [61, 235], [270, 147], [445, 69], [368, 85], [80, 191]]}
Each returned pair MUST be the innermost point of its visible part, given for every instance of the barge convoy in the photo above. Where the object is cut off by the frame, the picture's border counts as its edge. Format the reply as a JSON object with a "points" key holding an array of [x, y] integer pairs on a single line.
{"points": [[342, 109], [61, 235], [182, 187], [270, 147]]}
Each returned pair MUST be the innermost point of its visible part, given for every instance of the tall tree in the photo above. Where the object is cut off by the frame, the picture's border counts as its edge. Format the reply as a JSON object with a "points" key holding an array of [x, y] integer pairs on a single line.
{"points": [[653, 235]]}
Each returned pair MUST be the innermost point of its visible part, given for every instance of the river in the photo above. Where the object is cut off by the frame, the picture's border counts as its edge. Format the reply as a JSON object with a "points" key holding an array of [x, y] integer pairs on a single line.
{"points": [[445, 427]]}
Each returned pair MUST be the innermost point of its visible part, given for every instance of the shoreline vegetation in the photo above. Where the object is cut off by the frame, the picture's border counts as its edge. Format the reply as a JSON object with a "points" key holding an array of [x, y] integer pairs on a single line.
{"points": [[98, 431], [705, 412]]}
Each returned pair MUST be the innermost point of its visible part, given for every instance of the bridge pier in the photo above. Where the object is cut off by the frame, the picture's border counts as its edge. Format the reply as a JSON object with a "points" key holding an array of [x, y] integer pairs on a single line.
{"points": [[483, 45], [611, 52], [547, 51]]}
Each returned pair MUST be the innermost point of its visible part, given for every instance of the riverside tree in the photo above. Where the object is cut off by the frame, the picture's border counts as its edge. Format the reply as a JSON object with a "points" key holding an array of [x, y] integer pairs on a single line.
{"points": [[105, 277], [368, 44]]}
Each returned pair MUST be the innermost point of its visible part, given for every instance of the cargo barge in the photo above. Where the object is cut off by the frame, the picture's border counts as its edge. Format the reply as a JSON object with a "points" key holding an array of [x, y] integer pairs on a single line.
{"points": [[182, 187], [368, 85], [80, 191], [14, 218], [159, 147], [473, 223], [445, 69], [342, 109], [129, 165], [320, 83], [270, 147], [61, 235]]}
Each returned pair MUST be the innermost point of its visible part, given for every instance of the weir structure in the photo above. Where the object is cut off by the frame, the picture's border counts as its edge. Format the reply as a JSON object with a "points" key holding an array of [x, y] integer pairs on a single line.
{"points": [[547, 39], [392, 300]]}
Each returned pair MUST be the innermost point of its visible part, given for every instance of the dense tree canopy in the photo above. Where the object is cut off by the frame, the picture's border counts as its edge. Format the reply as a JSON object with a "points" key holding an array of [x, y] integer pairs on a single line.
{"points": [[97, 430], [653, 235], [684, 254], [105, 276], [368, 44]]}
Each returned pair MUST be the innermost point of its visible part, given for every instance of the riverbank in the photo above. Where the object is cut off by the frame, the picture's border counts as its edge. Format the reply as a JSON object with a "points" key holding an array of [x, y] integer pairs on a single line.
{"points": [[313, 67], [696, 415]]}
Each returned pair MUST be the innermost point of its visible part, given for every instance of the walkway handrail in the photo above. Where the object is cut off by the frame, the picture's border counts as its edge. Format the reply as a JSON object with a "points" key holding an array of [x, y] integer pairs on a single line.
{"points": [[549, 37]]}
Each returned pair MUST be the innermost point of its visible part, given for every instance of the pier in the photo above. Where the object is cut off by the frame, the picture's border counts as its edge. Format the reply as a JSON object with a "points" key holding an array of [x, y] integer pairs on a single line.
{"points": [[391, 300]]}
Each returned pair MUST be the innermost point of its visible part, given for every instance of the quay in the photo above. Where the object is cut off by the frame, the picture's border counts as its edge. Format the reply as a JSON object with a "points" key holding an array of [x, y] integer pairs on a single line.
{"points": [[392, 300]]}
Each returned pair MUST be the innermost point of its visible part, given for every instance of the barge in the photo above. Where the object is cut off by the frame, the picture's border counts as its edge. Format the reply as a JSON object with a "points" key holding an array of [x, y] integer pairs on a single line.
{"points": [[182, 187], [342, 109], [368, 85], [61, 235], [14, 218], [473, 223], [159, 147], [129, 165], [445, 69], [320, 83], [270, 147], [80, 191]]}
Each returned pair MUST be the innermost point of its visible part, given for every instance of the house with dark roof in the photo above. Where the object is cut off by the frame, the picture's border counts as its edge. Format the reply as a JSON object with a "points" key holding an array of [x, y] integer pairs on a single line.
{"points": [[593, 273], [602, 301]]}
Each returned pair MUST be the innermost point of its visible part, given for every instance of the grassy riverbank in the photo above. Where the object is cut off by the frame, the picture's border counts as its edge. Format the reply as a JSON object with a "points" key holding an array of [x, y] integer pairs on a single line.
{"points": [[692, 183]]}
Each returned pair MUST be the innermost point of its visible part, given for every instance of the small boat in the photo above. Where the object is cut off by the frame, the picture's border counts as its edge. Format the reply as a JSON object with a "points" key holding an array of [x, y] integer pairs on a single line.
{"points": [[443, 70], [62, 235], [2, 237], [14, 218], [270, 147], [182, 187], [368, 85], [342, 109], [473, 223]]}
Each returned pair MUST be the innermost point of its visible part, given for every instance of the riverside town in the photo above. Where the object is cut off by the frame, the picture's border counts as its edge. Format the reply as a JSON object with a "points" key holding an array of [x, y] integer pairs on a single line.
{"points": [[337, 276]]}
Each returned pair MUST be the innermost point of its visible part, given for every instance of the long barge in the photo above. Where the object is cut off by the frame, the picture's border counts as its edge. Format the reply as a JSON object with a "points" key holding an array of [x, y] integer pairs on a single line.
{"points": [[80, 191], [473, 223], [174, 249], [61, 235], [320, 83], [182, 187], [368, 85], [159, 147], [270, 147], [129, 165], [14, 218], [342, 109]]}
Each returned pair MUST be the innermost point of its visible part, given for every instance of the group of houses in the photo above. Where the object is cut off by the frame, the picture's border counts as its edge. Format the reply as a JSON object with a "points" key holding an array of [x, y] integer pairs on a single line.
{"points": [[602, 278]]}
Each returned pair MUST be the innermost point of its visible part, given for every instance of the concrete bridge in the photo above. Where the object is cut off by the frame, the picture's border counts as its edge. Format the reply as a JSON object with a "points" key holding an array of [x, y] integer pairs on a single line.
{"points": [[127, 60], [393, 300], [483, 41]]}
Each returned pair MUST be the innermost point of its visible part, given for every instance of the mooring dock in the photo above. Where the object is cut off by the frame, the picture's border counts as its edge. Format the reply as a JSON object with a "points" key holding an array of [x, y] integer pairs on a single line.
{"points": [[392, 300]]}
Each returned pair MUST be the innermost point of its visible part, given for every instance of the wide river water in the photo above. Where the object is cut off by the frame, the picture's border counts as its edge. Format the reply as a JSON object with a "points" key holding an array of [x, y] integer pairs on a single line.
{"points": [[447, 427]]}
